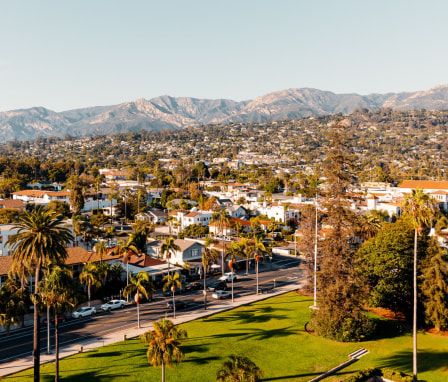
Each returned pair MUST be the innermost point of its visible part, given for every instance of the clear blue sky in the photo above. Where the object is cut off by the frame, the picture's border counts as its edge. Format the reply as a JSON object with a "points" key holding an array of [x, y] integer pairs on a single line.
{"points": [[69, 54]]}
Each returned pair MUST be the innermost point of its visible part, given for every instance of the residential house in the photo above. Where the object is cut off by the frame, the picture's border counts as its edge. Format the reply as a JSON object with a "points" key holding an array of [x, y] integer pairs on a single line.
{"points": [[41, 197], [230, 230], [12, 204], [153, 215], [238, 212], [437, 189], [190, 250]]}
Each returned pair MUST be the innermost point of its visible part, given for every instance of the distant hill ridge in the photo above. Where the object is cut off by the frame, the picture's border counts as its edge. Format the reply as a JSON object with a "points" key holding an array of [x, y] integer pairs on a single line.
{"points": [[167, 112]]}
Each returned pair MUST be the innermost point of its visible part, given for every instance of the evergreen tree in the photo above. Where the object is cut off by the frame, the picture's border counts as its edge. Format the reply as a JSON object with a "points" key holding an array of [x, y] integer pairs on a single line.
{"points": [[339, 315], [435, 287]]}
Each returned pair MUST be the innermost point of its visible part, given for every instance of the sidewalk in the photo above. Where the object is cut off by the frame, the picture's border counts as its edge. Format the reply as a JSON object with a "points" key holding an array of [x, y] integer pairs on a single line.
{"points": [[75, 348]]}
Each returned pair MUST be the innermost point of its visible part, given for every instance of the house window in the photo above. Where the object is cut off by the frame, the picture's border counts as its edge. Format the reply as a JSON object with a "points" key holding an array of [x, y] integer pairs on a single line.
{"points": [[194, 253]]}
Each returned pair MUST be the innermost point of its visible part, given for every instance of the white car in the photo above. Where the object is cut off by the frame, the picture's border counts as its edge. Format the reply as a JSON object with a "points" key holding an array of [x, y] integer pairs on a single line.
{"points": [[113, 304], [227, 277], [84, 312], [219, 294]]}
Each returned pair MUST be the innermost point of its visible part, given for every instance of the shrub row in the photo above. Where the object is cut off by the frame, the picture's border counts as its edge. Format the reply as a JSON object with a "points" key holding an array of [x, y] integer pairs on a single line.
{"points": [[364, 375]]}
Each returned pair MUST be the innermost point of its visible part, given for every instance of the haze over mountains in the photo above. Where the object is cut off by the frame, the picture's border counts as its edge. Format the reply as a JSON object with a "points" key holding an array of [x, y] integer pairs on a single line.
{"points": [[178, 112]]}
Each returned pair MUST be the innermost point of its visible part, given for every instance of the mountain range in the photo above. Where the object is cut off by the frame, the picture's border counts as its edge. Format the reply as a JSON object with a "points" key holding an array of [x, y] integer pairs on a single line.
{"points": [[167, 112]]}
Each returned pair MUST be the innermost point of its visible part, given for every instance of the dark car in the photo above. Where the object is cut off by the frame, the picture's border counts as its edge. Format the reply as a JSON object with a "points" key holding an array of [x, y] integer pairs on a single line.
{"points": [[190, 287], [179, 304], [62, 318], [219, 285]]}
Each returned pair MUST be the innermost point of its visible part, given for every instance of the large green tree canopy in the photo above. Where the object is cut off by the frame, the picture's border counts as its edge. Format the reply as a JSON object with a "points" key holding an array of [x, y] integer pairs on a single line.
{"points": [[387, 264]]}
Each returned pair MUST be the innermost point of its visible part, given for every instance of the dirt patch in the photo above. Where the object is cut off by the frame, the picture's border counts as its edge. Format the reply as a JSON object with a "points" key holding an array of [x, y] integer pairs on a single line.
{"points": [[387, 313], [438, 332]]}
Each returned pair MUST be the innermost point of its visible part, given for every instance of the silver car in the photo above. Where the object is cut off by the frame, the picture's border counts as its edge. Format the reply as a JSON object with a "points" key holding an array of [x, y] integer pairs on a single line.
{"points": [[113, 304], [219, 294], [84, 312]]}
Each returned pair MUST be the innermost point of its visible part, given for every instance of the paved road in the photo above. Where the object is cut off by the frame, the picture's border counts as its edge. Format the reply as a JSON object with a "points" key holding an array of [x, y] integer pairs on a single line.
{"points": [[18, 345]]}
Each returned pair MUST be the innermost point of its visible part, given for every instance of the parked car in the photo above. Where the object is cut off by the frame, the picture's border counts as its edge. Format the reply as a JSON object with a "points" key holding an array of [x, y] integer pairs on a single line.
{"points": [[193, 286], [113, 304], [219, 285], [227, 277], [219, 294], [179, 304], [84, 312], [61, 318]]}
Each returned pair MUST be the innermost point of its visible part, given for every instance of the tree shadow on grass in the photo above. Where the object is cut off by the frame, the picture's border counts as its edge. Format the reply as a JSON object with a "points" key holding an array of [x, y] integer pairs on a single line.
{"points": [[257, 315], [105, 354], [199, 348], [427, 361], [200, 360], [260, 334], [389, 328], [291, 376], [85, 377]]}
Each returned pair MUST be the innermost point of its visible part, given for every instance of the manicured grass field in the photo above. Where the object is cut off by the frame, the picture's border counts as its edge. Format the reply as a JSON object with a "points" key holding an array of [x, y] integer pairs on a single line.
{"points": [[272, 334]]}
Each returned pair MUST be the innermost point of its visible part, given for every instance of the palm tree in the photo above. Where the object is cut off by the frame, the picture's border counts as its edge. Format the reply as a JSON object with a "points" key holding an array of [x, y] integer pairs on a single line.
{"points": [[209, 254], [140, 284], [163, 344], [140, 194], [255, 225], [90, 277], [259, 251], [419, 209], [125, 195], [126, 248], [171, 282], [101, 249], [98, 180], [55, 292], [40, 239], [12, 305], [111, 197], [171, 220], [371, 223], [239, 369], [243, 247], [139, 237], [77, 227], [168, 249], [272, 226], [222, 220]]}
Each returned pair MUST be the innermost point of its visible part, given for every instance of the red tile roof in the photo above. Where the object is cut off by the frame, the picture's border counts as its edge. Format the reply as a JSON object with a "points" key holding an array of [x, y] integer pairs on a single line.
{"points": [[77, 255], [425, 184]]}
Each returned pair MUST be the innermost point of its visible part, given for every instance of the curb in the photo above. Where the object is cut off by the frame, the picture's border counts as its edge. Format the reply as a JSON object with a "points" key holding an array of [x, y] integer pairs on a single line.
{"points": [[123, 335]]}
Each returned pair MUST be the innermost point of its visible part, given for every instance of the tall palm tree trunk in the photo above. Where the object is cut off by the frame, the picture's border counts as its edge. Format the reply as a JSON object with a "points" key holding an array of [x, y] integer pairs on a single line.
{"points": [[174, 306], [205, 289], [414, 323], [89, 287], [222, 255], [257, 276], [127, 279], [36, 332], [56, 347], [48, 329], [138, 314]]}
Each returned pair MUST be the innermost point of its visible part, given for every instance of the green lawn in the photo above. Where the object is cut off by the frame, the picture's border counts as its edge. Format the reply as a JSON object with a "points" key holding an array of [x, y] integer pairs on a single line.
{"points": [[271, 333]]}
